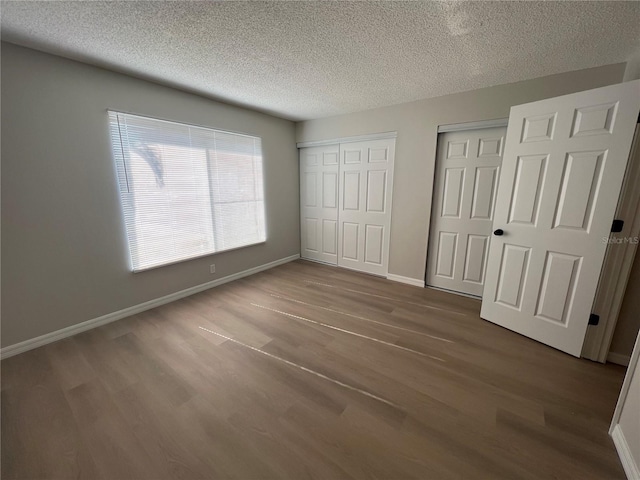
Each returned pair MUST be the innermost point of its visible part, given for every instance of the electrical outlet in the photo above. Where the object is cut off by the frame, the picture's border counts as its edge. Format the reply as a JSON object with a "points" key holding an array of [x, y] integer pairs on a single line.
{"points": [[212, 268]]}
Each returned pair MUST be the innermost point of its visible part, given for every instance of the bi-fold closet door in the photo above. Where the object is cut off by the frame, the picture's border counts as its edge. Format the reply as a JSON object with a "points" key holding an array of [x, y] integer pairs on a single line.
{"points": [[345, 193], [319, 203]]}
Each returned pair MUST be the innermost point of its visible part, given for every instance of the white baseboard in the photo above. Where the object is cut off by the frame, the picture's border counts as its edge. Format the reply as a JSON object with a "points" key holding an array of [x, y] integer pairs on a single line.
{"points": [[36, 342], [408, 280], [618, 358], [318, 261], [624, 452], [462, 294]]}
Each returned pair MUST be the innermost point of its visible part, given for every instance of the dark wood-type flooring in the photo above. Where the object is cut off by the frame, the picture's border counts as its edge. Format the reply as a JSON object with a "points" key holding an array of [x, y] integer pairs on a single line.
{"points": [[307, 371]]}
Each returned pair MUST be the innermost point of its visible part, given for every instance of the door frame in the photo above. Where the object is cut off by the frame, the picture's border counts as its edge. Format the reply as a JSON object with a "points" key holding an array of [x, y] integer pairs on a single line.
{"points": [[480, 124], [615, 430], [355, 138], [618, 262]]}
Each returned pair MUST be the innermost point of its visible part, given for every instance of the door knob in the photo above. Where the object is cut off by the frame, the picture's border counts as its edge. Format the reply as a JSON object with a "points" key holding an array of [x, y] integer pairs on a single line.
{"points": [[498, 232]]}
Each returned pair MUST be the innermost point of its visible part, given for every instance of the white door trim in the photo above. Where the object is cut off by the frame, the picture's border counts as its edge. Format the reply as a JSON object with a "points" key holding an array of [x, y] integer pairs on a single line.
{"points": [[459, 127], [618, 263], [624, 452], [357, 138], [416, 282]]}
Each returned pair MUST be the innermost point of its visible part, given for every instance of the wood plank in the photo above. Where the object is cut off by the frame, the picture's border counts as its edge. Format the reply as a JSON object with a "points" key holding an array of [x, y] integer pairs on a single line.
{"points": [[284, 374]]}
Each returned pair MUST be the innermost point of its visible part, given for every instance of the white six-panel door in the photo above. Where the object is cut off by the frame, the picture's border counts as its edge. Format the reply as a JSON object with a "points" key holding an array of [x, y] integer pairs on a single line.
{"points": [[562, 171], [366, 182], [319, 203], [467, 172]]}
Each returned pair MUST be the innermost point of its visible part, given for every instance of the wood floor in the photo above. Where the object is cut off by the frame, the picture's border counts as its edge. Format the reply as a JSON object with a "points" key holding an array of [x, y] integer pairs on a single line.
{"points": [[307, 371]]}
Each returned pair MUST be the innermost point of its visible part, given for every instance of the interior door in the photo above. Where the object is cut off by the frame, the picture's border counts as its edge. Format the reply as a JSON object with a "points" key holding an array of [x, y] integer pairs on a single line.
{"points": [[366, 182], [467, 172], [562, 172], [319, 203]]}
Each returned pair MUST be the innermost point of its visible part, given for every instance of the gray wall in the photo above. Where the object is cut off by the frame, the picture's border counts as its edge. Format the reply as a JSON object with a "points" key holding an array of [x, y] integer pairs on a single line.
{"points": [[628, 324], [64, 257], [417, 123]]}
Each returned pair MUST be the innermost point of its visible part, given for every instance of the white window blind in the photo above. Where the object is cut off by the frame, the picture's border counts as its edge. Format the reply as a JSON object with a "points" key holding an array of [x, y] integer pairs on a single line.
{"points": [[186, 191]]}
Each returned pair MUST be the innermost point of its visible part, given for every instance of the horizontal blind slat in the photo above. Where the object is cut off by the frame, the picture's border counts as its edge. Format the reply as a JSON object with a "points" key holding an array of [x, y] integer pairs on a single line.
{"points": [[186, 191]]}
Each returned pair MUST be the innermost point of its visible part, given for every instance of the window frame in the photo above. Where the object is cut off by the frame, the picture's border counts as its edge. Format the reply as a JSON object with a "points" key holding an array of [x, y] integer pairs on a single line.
{"points": [[121, 199]]}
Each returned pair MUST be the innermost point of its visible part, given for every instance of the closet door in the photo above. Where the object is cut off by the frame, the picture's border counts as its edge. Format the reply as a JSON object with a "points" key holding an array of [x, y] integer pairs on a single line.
{"points": [[467, 172], [319, 203], [366, 180]]}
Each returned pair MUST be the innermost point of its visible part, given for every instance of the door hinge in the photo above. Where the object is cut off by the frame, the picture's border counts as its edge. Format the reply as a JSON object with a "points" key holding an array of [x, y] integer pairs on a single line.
{"points": [[617, 226], [594, 319]]}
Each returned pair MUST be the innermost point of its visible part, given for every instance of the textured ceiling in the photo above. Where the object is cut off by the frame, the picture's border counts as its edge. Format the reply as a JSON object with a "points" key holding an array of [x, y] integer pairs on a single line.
{"points": [[303, 60]]}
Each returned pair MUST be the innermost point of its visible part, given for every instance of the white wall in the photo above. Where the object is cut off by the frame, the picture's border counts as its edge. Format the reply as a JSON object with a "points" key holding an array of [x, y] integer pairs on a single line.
{"points": [[417, 123], [625, 427], [64, 256]]}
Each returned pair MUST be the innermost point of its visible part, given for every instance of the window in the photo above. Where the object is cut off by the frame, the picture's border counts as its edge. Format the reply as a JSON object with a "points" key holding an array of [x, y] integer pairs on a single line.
{"points": [[186, 191]]}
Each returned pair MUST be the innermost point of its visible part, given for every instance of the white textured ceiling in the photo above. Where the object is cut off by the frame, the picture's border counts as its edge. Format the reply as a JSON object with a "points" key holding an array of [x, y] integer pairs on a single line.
{"points": [[303, 60]]}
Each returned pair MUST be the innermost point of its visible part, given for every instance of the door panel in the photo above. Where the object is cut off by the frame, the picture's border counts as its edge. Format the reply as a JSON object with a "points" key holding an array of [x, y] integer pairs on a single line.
{"points": [[379, 154], [311, 191], [490, 146], [558, 286], [330, 157], [513, 269], [350, 241], [330, 190], [366, 177], [376, 197], [351, 191], [452, 196], [467, 172], [457, 149], [329, 237], [351, 156], [319, 203], [447, 249], [484, 190], [374, 240], [528, 187], [580, 183], [311, 226], [562, 171], [475, 258]]}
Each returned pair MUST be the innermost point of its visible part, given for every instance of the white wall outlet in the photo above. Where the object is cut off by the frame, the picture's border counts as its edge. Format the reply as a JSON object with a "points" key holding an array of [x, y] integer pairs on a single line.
{"points": [[212, 268]]}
